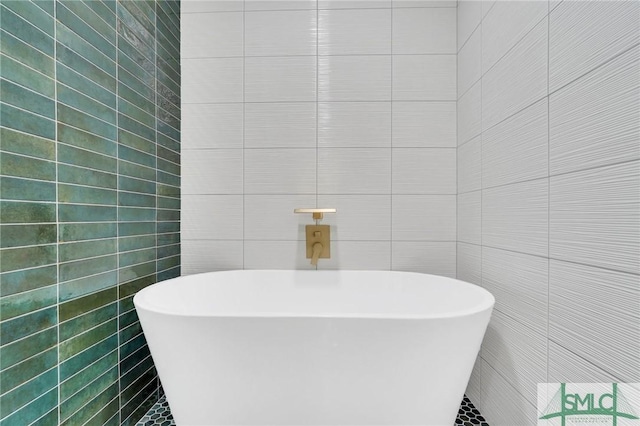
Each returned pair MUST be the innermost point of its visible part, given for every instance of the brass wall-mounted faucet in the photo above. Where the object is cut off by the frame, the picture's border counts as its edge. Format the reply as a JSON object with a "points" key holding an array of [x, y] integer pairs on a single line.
{"points": [[318, 236]]}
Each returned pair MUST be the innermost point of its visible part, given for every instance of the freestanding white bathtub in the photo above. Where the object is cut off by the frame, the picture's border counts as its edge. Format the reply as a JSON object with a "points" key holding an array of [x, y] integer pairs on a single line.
{"points": [[314, 347]]}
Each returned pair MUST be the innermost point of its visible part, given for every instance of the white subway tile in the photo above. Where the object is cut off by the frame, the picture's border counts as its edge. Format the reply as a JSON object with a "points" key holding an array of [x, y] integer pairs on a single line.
{"points": [[469, 217], [358, 217], [501, 403], [211, 126], [363, 255], [424, 124], [212, 171], [207, 80], [424, 78], [354, 4], [424, 171], [354, 78], [354, 124], [211, 35], [211, 217], [280, 33], [354, 32], [567, 367], [280, 171], [280, 4], [354, 171], [276, 255], [273, 79], [424, 31], [469, 264], [424, 217], [280, 125], [469, 17], [423, 3], [470, 114], [200, 256], [203, 6], [271, 217], [470, 166], [469, 63], [437, 258]]}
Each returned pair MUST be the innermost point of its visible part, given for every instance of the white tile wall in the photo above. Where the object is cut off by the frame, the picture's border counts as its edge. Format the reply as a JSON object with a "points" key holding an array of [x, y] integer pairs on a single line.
{"points": [[354, 78], [558, 242], [424, 124], [354, 124], [424, 31], [354, 32], [289, 104]]}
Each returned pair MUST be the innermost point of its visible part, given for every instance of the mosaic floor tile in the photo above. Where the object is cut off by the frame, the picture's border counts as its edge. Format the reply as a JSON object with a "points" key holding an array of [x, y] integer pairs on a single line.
{"points": [[160, 415]]}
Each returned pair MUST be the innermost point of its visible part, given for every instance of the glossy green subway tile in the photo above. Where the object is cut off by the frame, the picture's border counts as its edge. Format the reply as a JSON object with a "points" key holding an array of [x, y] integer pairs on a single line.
{"points": [[84, 249], [96, 18], [128, 333], [165, 37], [168, 178], [19, 281], [26, 325], [139, 354], [144, 11], [28, 167], [49, 419], [18, 96], [128, 377], [172, 87], [20, 350], [133, 199], [135, 20], [106, 403], [168, 124], [133, 112], [99, 419], [86, 267], [73, 308], [168, 166], [127, 318], [82, 213], [23, 143], [135, 257], [27, 257], [145, 103], [85, 140], [168, 191], [80, 324], [138, 128], [136, 185], [168, 251], [169, 155], [168, 215], [95, 55], [29, 391], [26, 122], [83, 341], [25, 235], [80, 176], [130, 44], [27, 190], [23, 75], [139, 143], [133, 345], [136, 242], [128, 66], [23, 303], [85, 68], [134, 156], [34, 410], [86, 122], [105, 9], [91, 372], [169, 108], [84, 85], [136, 214], [23, 212], [136, 271], [27, 54], [30, 34], [168, 239], [140, 228], [71, 366], [77, 401], [86, 231], [27, 370], [87, 285], [137, 395], [105, 43], [136, 83], [86, 194], [132, 287], [168, 203], [32, 13], [131, 419], [169, 274], [135, 170], [78, 100], [166, 61], [165, 227], [168, 263]]}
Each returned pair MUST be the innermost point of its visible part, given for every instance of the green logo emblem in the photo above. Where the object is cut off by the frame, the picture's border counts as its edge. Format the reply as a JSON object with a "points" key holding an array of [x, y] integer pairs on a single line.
{"points": [[588, 403]]}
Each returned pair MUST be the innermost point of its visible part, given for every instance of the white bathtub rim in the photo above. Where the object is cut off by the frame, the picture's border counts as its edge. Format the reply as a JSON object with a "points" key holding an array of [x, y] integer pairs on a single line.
{"points": [[485, 303]]}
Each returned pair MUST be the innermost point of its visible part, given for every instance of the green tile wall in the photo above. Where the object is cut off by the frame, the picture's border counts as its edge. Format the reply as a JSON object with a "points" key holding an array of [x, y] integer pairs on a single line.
{"points": [[89, 203]]}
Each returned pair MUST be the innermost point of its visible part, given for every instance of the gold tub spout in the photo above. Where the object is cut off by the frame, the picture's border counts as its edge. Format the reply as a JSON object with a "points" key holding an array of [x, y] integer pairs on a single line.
{"points": [[317, 250]]}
